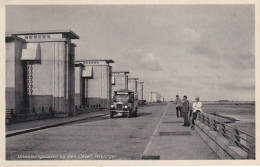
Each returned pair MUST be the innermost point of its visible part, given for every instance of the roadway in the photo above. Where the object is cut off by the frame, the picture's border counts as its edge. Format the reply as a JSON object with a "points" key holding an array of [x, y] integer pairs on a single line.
{"points": [[119, 138]]}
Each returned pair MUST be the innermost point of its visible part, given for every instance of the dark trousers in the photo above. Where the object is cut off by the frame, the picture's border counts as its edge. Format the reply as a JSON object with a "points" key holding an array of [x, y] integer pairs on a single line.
{"points": [[186, 119], [178, 109], [194, 116]]}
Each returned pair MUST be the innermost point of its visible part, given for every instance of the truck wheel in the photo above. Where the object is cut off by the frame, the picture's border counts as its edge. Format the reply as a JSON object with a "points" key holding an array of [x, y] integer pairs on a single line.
{"points": [[111, 114], [136, 112], [129, 114]]}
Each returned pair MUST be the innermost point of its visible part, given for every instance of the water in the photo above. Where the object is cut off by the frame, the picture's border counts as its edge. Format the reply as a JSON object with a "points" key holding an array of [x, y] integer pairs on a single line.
{"points": [[244, 113]]}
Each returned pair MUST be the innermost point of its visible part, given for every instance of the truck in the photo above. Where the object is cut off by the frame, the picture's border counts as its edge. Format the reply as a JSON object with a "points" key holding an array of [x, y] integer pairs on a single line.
{"points": [[125, 103]]}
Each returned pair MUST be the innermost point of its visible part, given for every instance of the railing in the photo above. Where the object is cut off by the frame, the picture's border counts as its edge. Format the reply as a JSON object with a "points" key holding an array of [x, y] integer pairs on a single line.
{"points": [[235, 136], [84, 108], [25, 114]]}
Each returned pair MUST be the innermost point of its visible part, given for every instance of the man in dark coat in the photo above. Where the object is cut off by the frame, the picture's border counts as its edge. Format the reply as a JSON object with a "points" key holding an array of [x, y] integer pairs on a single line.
{"points": [[178, 103], [185, 111]]}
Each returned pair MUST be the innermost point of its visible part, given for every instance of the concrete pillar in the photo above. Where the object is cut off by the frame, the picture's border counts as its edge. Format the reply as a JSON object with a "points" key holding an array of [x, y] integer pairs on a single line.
{"points": [[119, 81], [132, 84], [153, 97], [162, 99], [49, 56], [15, 79], [140, 90], [79, 88], [98, 87]]}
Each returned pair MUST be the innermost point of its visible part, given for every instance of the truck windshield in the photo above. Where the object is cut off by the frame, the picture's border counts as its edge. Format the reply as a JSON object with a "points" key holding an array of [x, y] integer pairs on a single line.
{"points": [[121, 98]]}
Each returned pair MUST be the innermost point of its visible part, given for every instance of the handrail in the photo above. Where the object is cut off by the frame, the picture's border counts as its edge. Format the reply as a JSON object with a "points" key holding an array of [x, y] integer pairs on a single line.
{"points": [[219, 118], [12, 114], [235, 136]]}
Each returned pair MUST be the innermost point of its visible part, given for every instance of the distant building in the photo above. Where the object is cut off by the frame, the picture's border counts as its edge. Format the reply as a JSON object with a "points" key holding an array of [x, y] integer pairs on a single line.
{"points": [[148, 97], [223, 101], [156, 97], [153, 97]]}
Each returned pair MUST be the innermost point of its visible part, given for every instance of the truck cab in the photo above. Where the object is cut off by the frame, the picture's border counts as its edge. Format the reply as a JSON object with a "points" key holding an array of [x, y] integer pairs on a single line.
{"points": [[125, 102]]}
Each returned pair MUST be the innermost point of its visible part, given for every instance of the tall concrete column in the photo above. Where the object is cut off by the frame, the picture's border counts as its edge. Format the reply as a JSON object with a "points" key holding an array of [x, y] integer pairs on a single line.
{"points": [[140, 90], [78, 84], [15, 78]]}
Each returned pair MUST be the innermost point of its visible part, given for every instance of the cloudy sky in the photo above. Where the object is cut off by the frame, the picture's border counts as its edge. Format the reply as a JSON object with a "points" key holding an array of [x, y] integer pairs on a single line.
{"points": [[193, 50]]}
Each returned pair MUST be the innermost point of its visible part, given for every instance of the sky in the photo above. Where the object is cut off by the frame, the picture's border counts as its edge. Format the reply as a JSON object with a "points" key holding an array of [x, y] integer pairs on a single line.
{"points": [[194, 50]]}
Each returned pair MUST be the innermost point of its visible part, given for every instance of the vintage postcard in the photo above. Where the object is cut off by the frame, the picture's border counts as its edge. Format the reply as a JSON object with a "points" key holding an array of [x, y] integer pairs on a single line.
{"points": [[129, 83]]}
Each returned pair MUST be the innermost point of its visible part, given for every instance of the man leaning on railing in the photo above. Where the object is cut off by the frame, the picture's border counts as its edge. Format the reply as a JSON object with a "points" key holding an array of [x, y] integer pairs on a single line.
{"points": [[196, 107]]}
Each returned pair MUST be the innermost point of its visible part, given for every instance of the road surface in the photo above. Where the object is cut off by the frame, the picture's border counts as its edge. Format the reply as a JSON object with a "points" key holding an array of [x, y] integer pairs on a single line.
{"points": [[104, 139]]}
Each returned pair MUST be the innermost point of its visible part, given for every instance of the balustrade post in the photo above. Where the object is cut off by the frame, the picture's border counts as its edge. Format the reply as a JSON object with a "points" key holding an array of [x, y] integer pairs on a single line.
{"points": [[51, 112], [200, 117], [251, 153], [233, 138], [211, 124], [208, 121], [220, 128]]}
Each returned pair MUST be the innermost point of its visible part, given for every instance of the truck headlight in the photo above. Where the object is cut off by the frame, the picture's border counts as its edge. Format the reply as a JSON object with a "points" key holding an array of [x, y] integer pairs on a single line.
{"points": [[125, 107]]}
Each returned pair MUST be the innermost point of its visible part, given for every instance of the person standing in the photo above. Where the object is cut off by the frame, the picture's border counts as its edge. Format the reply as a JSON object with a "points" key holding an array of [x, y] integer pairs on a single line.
{"points": [[185, 111], [196, 108], [190, 112], [178, 104]]}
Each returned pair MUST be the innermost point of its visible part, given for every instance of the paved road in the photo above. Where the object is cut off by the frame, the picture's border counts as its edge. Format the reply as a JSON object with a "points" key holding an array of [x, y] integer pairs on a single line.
{"points": [[119, 138], [99, 138]]}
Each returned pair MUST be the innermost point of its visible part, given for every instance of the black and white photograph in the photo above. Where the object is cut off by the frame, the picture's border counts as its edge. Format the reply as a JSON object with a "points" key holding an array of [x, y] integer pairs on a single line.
{"points": [[130, 82]]}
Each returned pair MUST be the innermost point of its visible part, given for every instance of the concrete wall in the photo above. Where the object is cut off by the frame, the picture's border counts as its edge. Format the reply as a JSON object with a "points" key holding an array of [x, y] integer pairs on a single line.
{"points": [[14, 75], [78, 85], [98, 87], [220, 145], [71, 79], [53, 79], [44, 89]]}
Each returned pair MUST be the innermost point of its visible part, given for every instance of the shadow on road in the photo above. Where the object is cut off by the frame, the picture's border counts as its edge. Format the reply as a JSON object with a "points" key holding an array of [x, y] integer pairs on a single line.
{"points": [[125, 117], [143, 114], [115, 117]]}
